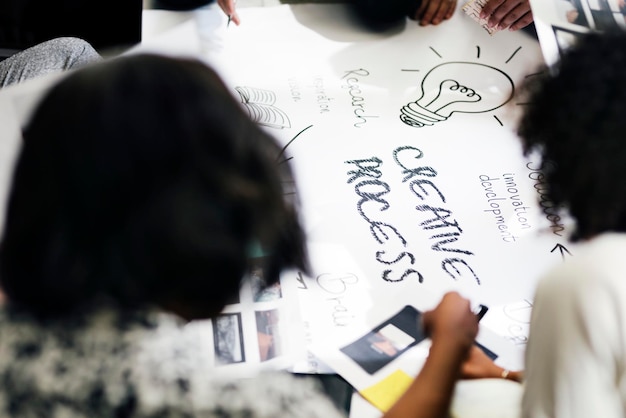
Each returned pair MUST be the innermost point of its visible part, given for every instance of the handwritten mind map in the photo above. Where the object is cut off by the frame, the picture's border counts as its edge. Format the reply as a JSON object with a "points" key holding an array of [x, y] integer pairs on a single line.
{"points": [[406, 160]]}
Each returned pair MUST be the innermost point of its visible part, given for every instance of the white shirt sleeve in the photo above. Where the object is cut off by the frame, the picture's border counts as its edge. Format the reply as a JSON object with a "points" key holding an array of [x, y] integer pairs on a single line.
{"points": [[575, 356]]}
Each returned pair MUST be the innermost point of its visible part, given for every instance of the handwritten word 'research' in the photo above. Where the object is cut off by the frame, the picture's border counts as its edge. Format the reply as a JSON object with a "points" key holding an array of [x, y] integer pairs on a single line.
{"points": [[352, 84]]}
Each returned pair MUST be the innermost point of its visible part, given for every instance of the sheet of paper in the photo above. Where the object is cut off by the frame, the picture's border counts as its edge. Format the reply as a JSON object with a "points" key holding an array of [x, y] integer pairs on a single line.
{"points": [[253, 331], [560, 23], [472, 8], [410, 174], [409, 171]]}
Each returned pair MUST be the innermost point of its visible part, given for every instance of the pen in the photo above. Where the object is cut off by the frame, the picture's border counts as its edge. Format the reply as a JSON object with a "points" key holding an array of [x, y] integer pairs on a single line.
{"points": [[482, 310], [230, 15]]}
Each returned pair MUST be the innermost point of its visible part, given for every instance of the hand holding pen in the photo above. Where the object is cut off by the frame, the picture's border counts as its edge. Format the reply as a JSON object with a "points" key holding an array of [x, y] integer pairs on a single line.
{"points": [[228, 6], [452, 321]]}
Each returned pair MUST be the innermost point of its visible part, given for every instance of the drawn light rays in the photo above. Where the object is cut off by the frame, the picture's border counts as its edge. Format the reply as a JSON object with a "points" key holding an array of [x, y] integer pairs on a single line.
{"points": [[463, 87]]}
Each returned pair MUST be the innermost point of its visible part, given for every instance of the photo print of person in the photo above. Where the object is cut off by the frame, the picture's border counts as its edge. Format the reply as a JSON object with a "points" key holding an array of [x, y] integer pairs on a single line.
{"points": [[228, 339], [387, 341], [600, 15], [569, 20], [268, 334]]}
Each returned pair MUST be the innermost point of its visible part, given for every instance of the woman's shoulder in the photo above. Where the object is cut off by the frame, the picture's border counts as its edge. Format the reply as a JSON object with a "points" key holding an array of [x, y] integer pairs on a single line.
{"points": [[83, 364], [273, 394], [147, 361], [590, 266]]}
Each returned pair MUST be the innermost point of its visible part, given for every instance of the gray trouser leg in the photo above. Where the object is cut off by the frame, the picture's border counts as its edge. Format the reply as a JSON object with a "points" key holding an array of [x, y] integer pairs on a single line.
{"points": [[47, 57]]}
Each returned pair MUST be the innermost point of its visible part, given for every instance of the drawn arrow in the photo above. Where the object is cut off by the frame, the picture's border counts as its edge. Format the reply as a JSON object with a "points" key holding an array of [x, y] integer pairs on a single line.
{"points": [[561, 249]]}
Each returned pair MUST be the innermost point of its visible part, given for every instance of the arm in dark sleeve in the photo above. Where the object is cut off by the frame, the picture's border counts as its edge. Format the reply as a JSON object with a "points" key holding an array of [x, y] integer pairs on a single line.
{"points": [[382, 14]]}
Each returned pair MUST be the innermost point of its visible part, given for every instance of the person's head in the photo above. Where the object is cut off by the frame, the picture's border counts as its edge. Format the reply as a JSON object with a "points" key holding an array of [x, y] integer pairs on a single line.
{"points": [[142, 182], [576, 120]]}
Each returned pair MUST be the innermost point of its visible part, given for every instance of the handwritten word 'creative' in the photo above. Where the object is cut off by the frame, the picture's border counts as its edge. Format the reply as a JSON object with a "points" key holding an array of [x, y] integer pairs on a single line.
{"points": [[352, 84], [442, 228]]}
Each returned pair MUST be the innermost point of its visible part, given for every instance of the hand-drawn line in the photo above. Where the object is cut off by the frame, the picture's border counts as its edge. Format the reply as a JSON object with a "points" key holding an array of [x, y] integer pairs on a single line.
{"points": [[458, 87], [433, 49], [403, 69], [515, 52], [535, 74], [477, 51], [561, 249], [499, 121], [524, 317], [282, 151], [260, 106]]}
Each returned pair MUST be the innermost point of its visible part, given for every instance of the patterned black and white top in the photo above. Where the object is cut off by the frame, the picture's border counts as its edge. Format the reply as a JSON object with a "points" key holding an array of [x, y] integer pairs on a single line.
{"points": [[142, 365]]}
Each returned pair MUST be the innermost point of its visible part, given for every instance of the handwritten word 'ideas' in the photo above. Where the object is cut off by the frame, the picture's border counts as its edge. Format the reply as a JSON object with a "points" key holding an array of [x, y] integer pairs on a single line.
{"points": [[442, 228], [352, 84]]}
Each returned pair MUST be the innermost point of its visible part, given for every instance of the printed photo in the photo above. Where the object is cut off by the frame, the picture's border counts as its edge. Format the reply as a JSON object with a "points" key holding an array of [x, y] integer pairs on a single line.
{"points": [[387, 341], [560, 23], [228, 339], [268, 334]]}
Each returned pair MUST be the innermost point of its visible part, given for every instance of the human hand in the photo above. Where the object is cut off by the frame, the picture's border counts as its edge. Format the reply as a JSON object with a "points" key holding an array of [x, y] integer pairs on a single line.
{"points": [[452, 322], [571, 15], [228, 6], [433, 12], [512, 14], [478, 365]]}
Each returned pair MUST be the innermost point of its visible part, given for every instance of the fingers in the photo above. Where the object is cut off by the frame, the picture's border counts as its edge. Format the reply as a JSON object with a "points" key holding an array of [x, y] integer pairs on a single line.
{"points": [[479, 366], [451, 9], [235, 19], [433, 12], [452, 320], [228, 7], [522, 22], [490, 8], [512, 14]]}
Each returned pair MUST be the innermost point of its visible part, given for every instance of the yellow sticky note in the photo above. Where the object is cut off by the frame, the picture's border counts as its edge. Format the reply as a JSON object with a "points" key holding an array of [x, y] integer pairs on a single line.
{"points": [[386, 392]]}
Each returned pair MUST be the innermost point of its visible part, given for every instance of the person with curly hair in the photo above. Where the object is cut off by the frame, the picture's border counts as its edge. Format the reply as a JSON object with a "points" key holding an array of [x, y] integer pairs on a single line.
{"points": [[576, 354], [139, 194], [575, 360]]}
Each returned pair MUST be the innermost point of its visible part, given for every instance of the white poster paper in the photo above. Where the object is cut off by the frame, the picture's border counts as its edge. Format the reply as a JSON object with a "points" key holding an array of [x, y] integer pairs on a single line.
{"points": [[410, 173]]}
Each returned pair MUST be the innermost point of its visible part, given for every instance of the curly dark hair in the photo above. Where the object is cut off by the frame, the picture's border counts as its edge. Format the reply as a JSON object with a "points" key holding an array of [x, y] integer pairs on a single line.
{"points": [[142, 181], [576, 120]]}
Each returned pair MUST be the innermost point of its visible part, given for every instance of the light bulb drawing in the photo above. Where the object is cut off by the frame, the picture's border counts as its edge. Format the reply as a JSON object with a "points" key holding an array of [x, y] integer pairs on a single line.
{"points": [[461, 87]]}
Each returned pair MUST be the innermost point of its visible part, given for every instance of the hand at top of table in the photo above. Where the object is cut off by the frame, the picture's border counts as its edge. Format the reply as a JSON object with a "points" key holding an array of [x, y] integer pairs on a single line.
{"points": [[511, 14]]}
